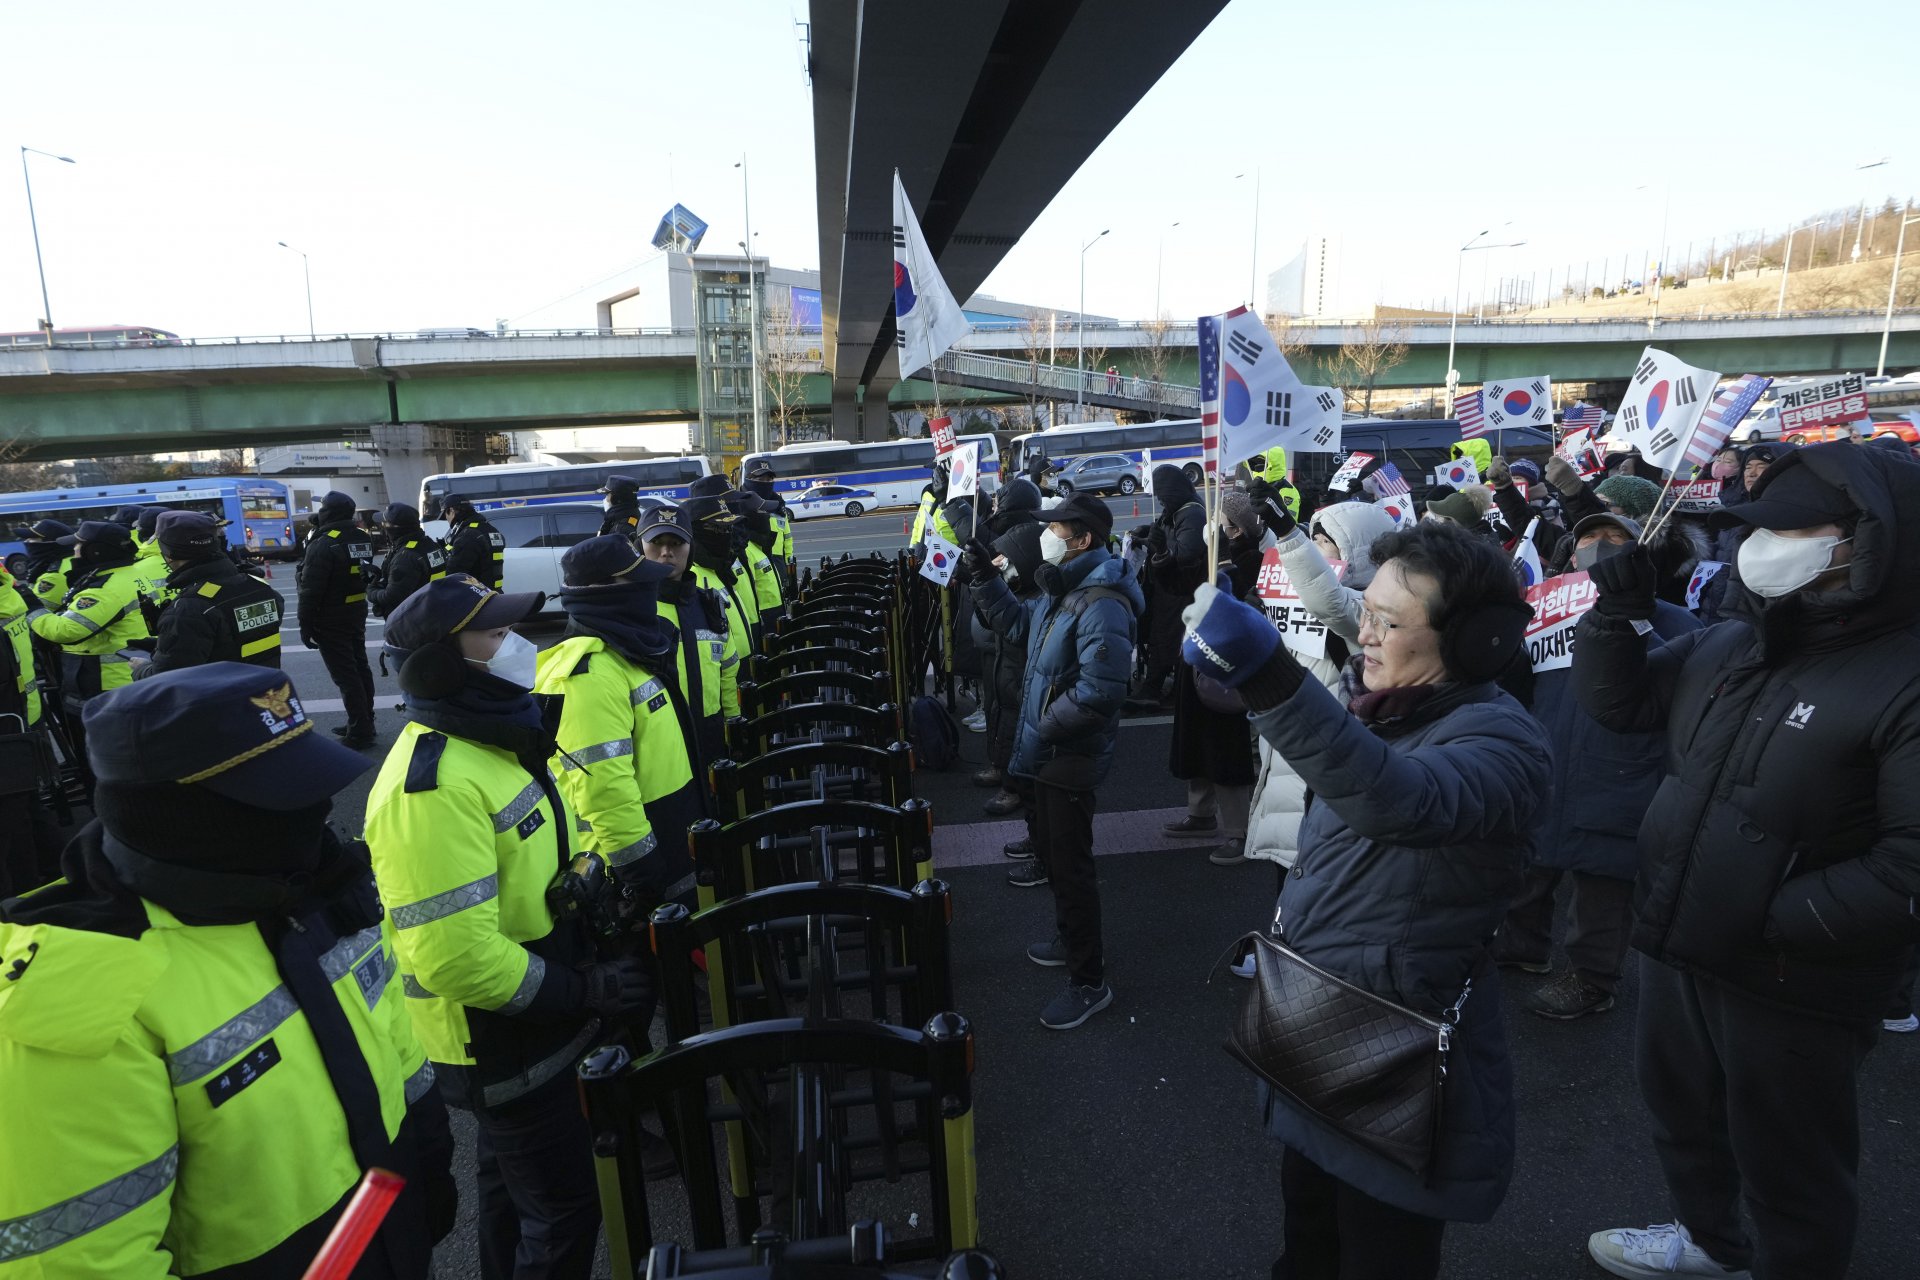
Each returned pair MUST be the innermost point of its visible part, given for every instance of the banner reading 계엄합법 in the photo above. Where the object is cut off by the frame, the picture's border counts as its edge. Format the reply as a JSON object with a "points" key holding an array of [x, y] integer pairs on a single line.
{"points": [[1558, 605]]}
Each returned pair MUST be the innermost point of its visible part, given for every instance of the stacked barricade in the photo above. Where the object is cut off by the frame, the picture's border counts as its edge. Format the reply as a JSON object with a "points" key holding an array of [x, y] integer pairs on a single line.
{"points": [[812, 1053]]}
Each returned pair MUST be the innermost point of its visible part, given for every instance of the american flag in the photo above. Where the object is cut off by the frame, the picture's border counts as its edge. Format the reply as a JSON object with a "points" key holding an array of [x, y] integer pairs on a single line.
{"points": [[1388, 482], [1582, 415], [1210, 392], [1730, 404], [1472, 416]]}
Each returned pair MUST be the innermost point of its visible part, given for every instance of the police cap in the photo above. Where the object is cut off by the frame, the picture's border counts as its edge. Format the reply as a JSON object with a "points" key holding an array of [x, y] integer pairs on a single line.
{"points": [[708, 487], [46, 531], [451, 605], [707, 507], [761, 471], [334, 505], [399, 515], [455, 502], [231, 727], [187, 533], [125, 516], [669, 520], [104, 533], [149, 518], [607, 560], [620, 487]]}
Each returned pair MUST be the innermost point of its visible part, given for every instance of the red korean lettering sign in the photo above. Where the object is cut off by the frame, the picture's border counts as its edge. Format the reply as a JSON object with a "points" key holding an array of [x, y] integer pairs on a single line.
{"points": [[943, 440], [1300, 630], [1558, 605]]}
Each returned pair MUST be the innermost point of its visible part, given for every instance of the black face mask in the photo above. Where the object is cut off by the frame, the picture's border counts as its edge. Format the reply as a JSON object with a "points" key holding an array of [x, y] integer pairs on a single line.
{"points": [[1584, 558]]}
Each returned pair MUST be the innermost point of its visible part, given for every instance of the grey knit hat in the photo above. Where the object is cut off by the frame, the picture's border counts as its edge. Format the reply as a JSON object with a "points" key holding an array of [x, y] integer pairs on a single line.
{"points": [[1237, 509]]}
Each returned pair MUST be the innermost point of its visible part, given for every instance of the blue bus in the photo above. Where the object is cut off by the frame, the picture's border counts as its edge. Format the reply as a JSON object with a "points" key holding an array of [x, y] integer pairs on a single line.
{"points": [[532, 484], [1176, 442], [257, 511], [894, 470]]}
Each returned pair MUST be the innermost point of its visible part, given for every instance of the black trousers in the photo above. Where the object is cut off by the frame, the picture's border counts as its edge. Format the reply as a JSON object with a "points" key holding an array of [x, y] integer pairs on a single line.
{"points": [[539, 1203], [1335, 1231], [1600, 921], [1062, 827], [343, 647], [1753, 1101]]}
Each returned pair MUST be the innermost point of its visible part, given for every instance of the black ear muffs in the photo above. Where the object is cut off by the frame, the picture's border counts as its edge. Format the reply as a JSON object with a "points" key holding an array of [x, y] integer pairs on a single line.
{"points": [[434, 671], [1478, 644]]}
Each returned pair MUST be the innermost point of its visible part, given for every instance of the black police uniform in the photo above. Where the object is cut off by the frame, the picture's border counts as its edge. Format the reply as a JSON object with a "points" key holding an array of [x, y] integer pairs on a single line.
{"points": [[476, 547], [623, 509], [413, 560], [219, 613], [333, 610]]}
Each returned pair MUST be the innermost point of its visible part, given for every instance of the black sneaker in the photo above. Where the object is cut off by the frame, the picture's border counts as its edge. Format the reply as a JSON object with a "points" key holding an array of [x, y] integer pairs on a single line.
{"points": [[1567, 997], [1190, 826], [1021, 848], [1051, 955], [1028, 875], [1074, 1006]]}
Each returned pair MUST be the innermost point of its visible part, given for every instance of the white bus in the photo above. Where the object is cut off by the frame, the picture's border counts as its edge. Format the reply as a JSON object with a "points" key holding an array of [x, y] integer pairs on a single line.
{"points": [[894, 471], [532, 484], [1176, 442]]}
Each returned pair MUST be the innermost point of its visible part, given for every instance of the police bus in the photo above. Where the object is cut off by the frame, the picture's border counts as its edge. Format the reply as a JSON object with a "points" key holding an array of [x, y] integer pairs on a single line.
{"points": [[1172, 441], [257, 511], [531, 484], [894, 471]]}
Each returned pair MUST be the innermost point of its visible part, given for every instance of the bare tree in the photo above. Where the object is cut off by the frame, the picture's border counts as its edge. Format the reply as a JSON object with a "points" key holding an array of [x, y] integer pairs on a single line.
{"points": [[1377, 350], [233, 462], [1157, 351], [1038, 334], [791, 353]]}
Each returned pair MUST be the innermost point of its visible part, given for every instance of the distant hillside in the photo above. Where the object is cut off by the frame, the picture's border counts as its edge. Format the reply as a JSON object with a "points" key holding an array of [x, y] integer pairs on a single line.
{"points": [[1849, 287]]}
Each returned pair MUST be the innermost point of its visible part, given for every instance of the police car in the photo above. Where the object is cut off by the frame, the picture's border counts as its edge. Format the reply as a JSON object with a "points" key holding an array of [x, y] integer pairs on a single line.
{"points": [[830, 500]]}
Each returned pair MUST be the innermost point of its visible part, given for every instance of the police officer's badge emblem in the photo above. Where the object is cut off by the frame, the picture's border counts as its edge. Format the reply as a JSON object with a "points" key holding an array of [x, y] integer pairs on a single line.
{"points": [[279, 709]]}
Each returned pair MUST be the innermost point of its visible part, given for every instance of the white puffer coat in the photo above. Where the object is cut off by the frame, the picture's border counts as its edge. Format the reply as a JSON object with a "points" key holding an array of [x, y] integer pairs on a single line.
{"points": [[1279, 797]]}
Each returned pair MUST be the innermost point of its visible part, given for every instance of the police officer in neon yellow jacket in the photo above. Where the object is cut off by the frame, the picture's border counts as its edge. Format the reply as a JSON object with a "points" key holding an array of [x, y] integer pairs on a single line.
{"points": [[100, 616], [760, 481], [468, 830], [708, 663], [624, 763], [202, 1042], [715, 568], [147, 558], [49, 561], [755, 515]]}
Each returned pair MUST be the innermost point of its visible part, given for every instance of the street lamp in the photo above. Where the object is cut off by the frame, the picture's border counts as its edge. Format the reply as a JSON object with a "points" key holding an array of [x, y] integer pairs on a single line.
{"points": [[1080, 331], [307, 272], [1660, 265], [46, 307], [753, 305], [1786, 265], [1907, 219], [1453, 305], [1253, 262]]}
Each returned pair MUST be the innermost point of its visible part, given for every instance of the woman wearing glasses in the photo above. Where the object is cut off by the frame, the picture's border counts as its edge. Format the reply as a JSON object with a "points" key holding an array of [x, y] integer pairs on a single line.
{"points": [[1424, 777]]}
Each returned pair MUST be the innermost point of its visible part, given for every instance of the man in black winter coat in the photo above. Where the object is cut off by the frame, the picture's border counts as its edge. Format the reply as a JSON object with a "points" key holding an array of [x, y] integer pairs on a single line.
{"points": [[473, 545], [1176, 564], [218, 612], [413, 560], [1779, 861], [333, 609]]}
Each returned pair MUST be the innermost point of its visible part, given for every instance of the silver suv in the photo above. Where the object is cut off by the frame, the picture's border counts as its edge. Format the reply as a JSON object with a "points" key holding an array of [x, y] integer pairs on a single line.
{"points": [[1099, 472]]}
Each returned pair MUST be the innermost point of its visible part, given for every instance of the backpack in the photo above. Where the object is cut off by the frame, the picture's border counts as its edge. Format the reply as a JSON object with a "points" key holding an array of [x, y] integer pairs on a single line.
{"points": [[934, 735]]}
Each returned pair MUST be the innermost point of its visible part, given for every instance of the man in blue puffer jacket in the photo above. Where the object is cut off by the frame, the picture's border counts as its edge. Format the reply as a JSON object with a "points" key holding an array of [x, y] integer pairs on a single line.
{"points": [[1079, 634]]}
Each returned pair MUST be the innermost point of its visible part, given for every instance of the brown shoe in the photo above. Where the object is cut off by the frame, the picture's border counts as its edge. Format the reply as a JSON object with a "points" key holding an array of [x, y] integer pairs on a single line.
{"points": [[1003, 803], [1190, 826]]}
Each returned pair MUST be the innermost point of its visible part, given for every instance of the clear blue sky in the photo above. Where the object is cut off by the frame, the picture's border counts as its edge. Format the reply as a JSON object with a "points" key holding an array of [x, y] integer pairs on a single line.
{"points": [[450, 165]]}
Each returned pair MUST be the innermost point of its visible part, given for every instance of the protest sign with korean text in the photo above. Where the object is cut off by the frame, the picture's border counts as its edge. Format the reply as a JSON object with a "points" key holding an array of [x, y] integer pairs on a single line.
{"points": [[942, 431], [1701, 495], [1820, 404], [1300, 631], [1558, 605], [1349, 471], [1579, 451]]}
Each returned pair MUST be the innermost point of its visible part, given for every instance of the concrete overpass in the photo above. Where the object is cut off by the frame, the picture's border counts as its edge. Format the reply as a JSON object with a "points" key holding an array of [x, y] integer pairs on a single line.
{"points": [[986, 108]]}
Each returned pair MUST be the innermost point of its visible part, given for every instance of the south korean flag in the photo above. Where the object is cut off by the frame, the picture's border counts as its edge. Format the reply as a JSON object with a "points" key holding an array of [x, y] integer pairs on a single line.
{"points": [[1664, 401], [1519, 402]]}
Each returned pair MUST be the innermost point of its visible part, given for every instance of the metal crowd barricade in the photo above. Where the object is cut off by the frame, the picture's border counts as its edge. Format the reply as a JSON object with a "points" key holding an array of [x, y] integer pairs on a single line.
{"points": [[813, 771], [931, 1067], [811, 722], [838, 840], [758, 697]]}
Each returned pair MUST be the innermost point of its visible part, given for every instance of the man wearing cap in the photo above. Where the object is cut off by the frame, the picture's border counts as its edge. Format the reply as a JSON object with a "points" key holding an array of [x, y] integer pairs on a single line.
{"points": [[468, 830], [708, 663], [1585, 827], [1079, 629], [1778, 861], [147, 558], [101, 615], [333, 609], [474, 546], [49, 560], [715, 568], [760, 481], [621, 507], [219, 612], [757, 557], [201, 1033], [623, 739], [413, 559]]}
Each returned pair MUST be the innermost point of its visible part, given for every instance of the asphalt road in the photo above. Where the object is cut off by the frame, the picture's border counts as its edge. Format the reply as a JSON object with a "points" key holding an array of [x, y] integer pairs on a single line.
{"points": [[1130, 1148]]}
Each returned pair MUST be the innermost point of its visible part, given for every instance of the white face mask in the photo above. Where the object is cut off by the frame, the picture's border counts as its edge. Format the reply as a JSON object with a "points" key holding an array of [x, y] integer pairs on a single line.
{"points": [[1773, 566], [514, 661], [1053, 547]]}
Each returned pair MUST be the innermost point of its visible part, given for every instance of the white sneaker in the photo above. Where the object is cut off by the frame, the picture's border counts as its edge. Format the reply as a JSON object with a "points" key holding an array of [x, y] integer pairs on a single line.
{"points": [[977, 722], [1243, 967], [1908, 1023], [1663, 1249]]}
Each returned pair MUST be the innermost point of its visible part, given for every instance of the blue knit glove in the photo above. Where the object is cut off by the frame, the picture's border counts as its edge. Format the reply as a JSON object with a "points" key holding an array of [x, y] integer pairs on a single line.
{"points": [[1226, 639]]}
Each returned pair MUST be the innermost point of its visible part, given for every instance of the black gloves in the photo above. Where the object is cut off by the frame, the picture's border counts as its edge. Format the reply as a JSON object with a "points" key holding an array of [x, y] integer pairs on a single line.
{"points": [[618, 987], [976, 562], [1273, 509], [1157, 539], [1625, 583]]}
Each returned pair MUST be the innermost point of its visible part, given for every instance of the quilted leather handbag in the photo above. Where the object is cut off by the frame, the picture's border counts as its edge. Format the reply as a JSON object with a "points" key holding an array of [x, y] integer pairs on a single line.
{"points": [[1374, 1071]]}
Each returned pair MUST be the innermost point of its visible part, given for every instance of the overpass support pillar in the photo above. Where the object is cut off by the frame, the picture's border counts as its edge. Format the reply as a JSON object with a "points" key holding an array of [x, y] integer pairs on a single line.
{"points": [[409, 452], [846, 411], [876, 414]]}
